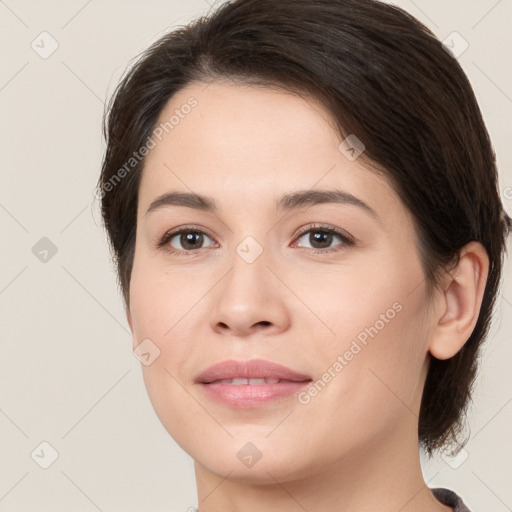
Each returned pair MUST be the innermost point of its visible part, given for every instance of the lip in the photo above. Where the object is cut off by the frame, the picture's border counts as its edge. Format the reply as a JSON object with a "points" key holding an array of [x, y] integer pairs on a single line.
{"points": [[253, 369], [247, 396]]}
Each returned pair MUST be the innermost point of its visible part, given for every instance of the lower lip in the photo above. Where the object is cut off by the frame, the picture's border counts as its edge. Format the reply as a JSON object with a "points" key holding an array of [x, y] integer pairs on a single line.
{"points": [[246, 396]]}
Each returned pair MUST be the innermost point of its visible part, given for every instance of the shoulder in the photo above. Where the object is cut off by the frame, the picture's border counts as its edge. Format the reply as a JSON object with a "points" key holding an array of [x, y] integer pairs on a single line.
{"points": [[450, 498]]}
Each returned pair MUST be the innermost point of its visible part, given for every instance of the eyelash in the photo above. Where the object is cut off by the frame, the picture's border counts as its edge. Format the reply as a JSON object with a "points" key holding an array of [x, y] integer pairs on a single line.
{"points": [[346, 239]]}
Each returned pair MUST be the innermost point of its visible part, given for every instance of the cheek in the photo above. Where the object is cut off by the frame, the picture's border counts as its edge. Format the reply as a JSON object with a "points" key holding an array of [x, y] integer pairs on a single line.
{"points": [[157, 300], [371, 357], [159, 314], [173, 405], [371, 388], [166, 308], [363, 302]]}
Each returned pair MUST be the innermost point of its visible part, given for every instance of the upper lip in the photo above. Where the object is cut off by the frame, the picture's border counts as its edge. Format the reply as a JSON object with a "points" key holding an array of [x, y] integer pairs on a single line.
{"points": [[252, 369]]}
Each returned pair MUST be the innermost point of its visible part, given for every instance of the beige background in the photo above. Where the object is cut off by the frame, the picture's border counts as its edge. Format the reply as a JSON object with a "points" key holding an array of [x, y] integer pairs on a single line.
{"points": [[67, 373]]}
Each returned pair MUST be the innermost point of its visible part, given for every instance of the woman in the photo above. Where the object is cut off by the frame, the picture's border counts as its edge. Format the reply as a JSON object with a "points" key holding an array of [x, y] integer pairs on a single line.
{"points": [[301, 198]]}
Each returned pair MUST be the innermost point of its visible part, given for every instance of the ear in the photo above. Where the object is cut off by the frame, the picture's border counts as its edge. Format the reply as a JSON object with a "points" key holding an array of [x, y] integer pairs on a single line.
{"points": [[459, 301]]}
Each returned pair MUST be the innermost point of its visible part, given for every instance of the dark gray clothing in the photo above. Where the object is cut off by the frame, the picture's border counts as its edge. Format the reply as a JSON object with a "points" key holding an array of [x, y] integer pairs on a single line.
{"points": [[447, 497]]}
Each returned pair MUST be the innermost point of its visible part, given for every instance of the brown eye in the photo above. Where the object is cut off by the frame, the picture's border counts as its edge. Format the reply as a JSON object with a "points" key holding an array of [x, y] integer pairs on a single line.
{"points": [[185, 240], [322, 238], [188, 240]]}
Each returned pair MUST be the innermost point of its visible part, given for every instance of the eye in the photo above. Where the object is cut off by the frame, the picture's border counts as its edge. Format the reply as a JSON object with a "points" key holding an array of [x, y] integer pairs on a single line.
{"points": [[185, 240], [321, 238]]}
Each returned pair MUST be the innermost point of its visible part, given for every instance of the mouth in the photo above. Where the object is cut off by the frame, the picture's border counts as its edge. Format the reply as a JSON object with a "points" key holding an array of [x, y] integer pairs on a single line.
{"points": [[240, 381], [250, 384]]}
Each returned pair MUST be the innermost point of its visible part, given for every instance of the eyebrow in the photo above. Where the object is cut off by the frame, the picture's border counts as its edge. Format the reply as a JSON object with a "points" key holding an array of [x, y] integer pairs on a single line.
{"points": [[287, 202]]}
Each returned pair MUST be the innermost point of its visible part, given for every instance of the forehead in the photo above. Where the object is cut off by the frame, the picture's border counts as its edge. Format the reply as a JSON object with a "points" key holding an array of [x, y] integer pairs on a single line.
{"points": [[254, 119], [242, 142]]}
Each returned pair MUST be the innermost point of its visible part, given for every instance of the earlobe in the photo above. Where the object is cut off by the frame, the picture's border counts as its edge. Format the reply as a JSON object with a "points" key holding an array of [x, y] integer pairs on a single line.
{"points": [[460, 298]]}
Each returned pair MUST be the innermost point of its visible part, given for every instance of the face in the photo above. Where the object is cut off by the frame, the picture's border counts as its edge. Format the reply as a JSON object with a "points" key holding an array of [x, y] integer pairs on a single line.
{"points": [[330, 287]]}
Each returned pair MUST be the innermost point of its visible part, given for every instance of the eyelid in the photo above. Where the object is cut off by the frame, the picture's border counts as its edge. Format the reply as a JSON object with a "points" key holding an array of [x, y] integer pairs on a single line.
{"points": [[327, 228]]}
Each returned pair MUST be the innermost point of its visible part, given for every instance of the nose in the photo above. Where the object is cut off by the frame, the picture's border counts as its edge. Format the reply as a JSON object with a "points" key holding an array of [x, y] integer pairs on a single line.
{"points": [[251, 298]]}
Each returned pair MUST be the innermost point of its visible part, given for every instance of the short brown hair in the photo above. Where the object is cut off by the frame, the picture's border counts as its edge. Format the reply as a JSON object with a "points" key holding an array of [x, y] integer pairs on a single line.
{"points": [[385, 78]]}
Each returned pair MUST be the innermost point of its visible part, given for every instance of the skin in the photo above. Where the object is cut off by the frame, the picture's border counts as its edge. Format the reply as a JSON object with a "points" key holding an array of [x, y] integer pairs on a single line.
{"points": [[354, 446]]}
